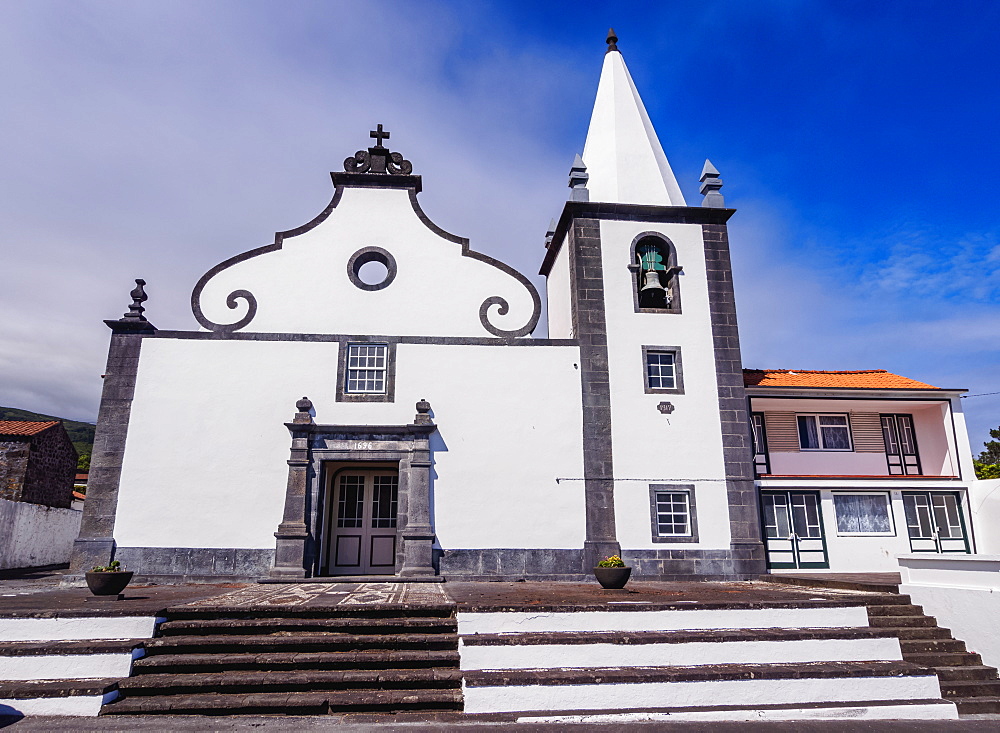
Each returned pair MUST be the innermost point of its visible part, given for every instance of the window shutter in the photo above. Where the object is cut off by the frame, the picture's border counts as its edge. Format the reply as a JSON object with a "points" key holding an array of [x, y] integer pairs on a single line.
{"points": [[866, 429], [782, 432]]}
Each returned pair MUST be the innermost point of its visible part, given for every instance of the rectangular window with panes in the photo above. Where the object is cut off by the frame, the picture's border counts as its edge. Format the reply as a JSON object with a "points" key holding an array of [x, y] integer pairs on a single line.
{"points": [[824, 432], [367, 365], [673, 513], [662, 370]]}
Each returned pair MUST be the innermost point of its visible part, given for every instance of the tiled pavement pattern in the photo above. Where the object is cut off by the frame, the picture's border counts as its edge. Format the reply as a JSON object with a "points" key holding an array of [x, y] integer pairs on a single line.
{"points": [[321, 595]]}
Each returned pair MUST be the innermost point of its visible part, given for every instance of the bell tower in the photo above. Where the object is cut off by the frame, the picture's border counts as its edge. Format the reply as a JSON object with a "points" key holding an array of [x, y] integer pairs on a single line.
{"points": [[644, 283]]}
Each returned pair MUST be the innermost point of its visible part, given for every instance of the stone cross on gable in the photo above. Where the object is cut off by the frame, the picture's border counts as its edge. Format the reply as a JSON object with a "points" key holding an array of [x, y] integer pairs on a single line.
{"points": [[378, 135]]}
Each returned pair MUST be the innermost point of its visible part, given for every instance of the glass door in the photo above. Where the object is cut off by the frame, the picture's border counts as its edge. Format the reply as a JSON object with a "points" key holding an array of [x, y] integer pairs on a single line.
{"points": [[900, 445], [793, 530], [935, 522], [362, 522]]}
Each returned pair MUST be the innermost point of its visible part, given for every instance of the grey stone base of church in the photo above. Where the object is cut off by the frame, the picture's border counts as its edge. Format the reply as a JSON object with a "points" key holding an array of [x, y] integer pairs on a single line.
{"points": [[739, 563], [195, 564], [513, 564], [742, 563], [221, 565]]}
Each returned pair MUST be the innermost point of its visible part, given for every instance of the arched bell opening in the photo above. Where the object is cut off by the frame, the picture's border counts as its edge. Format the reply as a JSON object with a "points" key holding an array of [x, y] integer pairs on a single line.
{"points": [[656, 286]]}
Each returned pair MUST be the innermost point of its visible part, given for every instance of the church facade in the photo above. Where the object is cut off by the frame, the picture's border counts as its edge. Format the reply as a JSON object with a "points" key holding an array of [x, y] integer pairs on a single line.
{"points": [[365, 399]]}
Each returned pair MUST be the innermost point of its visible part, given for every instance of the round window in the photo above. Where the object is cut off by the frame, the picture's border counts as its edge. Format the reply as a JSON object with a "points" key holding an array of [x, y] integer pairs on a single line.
{"points": [[371, 268]]}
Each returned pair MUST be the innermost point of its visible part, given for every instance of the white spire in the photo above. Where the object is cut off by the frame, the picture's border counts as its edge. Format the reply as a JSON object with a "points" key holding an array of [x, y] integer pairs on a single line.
{"points": [[623, 155]]}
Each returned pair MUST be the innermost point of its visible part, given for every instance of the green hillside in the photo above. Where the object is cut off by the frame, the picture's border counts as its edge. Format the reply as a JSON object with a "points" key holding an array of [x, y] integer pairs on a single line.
{"points": [[81, 433]]}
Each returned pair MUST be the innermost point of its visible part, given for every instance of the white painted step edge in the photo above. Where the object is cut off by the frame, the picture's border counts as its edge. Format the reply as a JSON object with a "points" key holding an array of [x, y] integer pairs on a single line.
{"points": [[702, 693], [78, 705], [902, 711], [666, 620]]}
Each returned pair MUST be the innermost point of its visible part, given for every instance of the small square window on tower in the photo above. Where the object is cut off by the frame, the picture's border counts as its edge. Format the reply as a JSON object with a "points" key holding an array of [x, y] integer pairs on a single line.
{"points": [[662, 370], [366, 372]]}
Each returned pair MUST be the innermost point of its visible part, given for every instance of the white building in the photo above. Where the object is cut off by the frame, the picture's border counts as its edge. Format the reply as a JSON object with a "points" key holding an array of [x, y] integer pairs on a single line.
{"points": [[627, 430]]}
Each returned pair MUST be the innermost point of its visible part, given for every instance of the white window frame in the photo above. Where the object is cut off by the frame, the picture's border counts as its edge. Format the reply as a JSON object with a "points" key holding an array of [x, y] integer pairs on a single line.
{"points": [[678, 372], [819, 431], [384, 369], [888, 507]]}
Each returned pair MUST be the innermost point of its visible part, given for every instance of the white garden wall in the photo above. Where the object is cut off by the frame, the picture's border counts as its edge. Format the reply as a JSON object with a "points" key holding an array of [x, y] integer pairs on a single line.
{"points": [[32, 535], [962, 592]]}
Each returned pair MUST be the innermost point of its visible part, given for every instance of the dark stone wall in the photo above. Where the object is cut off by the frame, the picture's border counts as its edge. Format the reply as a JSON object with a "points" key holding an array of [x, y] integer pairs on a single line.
{"points": [[39, 469], [195, 564], [51, 469], [744, 517], [13, 466]]}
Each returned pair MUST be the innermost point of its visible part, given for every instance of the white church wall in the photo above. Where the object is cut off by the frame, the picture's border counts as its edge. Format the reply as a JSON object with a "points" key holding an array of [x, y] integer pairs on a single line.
{"points": [[686, 445], [209, 452], [304, 287], [558, 299]]}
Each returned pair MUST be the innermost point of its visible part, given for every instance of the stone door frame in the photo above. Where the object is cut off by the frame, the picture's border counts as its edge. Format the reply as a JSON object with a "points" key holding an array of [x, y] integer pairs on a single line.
{"points": [[297, 539]]}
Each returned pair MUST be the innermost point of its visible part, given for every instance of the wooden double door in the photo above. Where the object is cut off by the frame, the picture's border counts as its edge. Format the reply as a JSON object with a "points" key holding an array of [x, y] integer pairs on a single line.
{"points": [[361, 521]]}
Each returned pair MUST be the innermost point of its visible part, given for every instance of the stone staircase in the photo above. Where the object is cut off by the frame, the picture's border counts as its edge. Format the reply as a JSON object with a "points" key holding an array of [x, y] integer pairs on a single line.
{"points": [[297, 661], [870, 656], [965, 680]]}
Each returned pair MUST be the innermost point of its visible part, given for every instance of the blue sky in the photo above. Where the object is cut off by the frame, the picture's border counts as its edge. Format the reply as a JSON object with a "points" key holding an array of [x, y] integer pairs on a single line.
{"points": [[857, 141]]}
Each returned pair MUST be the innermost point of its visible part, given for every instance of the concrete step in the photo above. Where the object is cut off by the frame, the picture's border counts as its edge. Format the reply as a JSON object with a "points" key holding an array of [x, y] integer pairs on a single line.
{"points": [[900, 621], [620, 675], [944, 659], [967, 672], [77, 697], [192, 663], [30, 689], [190, 627], [288, 703], [295, 642], [855, 710], [498, 691], [895, 609], [673, 637], [230, 682], [61, 648], [919, 646], [379, 611], [913, 633], [978, 705], [970, 688]]}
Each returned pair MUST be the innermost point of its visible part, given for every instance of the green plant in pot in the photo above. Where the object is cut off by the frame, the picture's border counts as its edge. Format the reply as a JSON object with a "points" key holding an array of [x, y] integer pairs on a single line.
{"points": [[108, 580], [612, 573]]}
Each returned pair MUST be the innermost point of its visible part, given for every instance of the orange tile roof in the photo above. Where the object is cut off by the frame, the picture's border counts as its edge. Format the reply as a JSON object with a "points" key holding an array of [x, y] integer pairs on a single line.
{"points": [[78, 495], [25, 427], [81, 477], [861, 379]]}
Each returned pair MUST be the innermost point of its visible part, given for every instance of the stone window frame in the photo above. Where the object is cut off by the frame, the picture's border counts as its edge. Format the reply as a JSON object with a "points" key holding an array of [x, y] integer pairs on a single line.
{"points": [[633, 268], [390, 371], [371, 254], [688, 489], [678, 387]]}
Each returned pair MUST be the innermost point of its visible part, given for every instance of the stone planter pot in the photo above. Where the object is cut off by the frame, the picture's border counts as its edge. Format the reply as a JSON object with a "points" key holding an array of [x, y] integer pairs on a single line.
{"points": [[612, 577], [108, 584]]}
